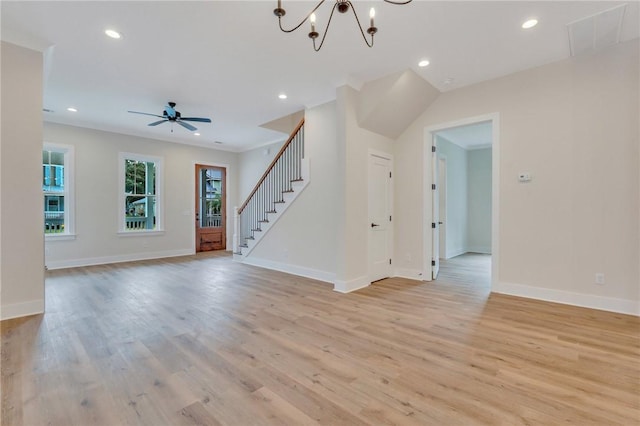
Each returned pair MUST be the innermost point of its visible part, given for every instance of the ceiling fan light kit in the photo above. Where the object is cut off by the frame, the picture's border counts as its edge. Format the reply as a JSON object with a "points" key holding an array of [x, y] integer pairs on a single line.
{"points": [[171, 115], [343, 6]]}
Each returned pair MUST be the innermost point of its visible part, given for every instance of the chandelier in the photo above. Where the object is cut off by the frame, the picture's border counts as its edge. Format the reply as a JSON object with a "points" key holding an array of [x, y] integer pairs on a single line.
{"points": [[343, 6]]}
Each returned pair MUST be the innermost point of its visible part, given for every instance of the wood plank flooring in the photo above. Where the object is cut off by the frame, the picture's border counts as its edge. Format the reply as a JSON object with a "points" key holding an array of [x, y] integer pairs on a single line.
{"points": [[203, 340]]}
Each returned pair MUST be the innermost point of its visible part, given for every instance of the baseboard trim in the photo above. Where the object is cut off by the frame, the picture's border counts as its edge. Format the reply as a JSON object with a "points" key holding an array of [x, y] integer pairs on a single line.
{"points": [[481, 250], [622, 306], [411, 274], [90, 261], [352, 285], [454, 253], [23, 309], [300, 271]]}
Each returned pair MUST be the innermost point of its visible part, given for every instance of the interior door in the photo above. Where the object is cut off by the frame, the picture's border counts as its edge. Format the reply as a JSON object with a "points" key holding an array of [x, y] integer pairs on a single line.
{"points": [[210, 208], [442, 190], [379, 218], [435, 227]]}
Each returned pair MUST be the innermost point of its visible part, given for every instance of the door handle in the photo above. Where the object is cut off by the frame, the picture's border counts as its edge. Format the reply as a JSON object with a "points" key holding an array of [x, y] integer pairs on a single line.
{"points": [[373, 225], [439, 223]]}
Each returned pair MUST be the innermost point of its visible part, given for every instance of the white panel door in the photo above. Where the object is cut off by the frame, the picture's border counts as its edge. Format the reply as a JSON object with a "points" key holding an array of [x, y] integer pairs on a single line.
{"points": [[379, 218], [435, 225]]}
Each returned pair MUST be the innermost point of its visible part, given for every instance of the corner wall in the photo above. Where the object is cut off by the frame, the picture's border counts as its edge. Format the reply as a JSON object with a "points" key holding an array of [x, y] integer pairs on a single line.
{"points": [[21, 224], [574, 126]]}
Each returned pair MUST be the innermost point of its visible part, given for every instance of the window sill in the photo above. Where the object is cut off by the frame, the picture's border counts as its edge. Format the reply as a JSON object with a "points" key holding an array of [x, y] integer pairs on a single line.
{"points": [[139, 233], [59, 237]]}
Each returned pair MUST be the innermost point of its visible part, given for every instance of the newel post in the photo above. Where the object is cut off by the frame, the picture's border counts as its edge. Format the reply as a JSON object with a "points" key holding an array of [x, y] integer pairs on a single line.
{"points": [[236, 230]]}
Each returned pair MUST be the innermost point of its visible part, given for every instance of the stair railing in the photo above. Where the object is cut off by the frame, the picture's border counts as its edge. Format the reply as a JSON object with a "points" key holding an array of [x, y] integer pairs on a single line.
{"points": [[285, 168]]}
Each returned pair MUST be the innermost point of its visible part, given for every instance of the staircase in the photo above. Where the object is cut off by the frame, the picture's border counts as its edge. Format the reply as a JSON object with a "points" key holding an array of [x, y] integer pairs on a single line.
{"points": [[282, 182]]}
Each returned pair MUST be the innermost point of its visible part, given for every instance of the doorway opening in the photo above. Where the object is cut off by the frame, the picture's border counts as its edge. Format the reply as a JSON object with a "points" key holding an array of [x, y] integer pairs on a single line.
{"points": [[210, 208], [461, 198]]}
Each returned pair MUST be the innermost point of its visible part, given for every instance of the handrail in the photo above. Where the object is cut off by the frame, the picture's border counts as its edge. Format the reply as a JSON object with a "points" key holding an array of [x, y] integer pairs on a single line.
{"points": [[273, 163]]}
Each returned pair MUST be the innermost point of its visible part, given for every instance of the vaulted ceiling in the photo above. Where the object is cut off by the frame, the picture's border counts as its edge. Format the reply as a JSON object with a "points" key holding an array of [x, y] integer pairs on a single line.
{"points": [[227, 59]]}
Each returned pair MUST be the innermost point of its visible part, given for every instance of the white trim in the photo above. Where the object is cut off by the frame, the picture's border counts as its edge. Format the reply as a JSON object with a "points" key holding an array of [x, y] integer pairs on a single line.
{"points": [[291, 269], [133, 257], [456, 252], [351, 285], [410, 274], [59, 237], [429, 131], [479, 249], [623, 306], [23, 309], [159, 195], [476, 147]]}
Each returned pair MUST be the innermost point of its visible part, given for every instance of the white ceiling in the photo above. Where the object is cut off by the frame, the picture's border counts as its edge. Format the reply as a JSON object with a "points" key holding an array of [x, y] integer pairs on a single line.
{"points": [[471, 136], [227, 60]]}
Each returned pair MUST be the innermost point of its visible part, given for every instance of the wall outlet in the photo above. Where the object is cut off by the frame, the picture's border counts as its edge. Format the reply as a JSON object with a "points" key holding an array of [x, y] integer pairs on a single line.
{"points": [[524, 177], [600, 278]]}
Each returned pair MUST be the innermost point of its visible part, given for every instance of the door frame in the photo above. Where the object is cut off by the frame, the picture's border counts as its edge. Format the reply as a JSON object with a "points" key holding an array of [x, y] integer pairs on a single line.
{"points": [[427, 176], [230, 202], [387, 156], [442, 202]]}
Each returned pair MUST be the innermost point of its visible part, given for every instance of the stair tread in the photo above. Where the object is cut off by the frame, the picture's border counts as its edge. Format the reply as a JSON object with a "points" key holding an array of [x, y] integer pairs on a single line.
{"points": [[297, 180]]}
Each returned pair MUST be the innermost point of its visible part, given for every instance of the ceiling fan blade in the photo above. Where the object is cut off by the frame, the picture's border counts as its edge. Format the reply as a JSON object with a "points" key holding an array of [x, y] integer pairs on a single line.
{"points": [[199, 119], [155, 123], [145, 113], [186, 125]]}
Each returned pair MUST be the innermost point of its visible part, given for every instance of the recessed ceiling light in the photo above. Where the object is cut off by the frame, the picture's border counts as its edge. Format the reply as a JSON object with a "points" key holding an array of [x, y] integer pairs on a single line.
{"points": [[423, 63], [112, 33], [529, 24], [218, 142], [72, 109], [282, 96], [196, 134]]}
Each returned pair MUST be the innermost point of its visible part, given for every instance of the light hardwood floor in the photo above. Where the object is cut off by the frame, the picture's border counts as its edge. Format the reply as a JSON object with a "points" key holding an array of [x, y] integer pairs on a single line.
{"points": [[203, 340]]}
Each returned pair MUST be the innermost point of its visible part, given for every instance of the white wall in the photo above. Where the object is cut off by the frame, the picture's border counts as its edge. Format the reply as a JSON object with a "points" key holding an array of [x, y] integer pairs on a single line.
{"points": [[457, 220], [97, 203], [574, 126], [22, 221], [251, 166], [479, 200], [324, 233], [303, 240]]}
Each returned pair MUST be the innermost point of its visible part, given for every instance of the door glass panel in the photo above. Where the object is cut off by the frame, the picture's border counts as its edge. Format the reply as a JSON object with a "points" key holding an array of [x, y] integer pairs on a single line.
{"points": [[210, 200]]}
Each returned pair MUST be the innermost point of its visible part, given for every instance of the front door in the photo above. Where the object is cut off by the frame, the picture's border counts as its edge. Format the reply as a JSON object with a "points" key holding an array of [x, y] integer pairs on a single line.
{"points": [[210, 208], [379, 218]]}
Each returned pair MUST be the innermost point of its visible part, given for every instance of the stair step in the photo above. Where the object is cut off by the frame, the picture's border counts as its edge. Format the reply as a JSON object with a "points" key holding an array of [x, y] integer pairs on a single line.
{"points": [[239, 253], [256, 230], [263, 221], [249, 238], [271, 211], [297, 180], [243, 245], [287, 191], [279, 202]]}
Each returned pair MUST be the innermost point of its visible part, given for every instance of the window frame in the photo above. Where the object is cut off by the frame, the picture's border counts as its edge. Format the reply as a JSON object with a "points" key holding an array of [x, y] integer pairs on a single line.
{"points": [[159, 195], [68, 177]]}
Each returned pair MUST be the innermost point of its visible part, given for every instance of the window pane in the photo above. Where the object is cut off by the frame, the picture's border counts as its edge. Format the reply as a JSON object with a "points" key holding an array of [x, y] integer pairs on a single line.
{"points": [[140, 212], [57, 158], [53, 214], [135, 176]]}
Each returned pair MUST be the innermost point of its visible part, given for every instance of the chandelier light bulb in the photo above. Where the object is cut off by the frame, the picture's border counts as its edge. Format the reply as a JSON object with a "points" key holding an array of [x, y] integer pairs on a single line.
{"points": [[312, 18], [372, 14]]}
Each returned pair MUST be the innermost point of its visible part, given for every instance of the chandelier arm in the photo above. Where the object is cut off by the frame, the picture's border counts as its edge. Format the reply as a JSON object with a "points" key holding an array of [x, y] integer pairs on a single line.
{"points": [[303, 21], [360, 26], [398, 2], [326, 30]]}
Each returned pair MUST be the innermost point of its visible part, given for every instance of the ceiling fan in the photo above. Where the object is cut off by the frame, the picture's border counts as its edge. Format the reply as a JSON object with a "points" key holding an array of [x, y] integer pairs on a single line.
{"points": [[171, 115]]}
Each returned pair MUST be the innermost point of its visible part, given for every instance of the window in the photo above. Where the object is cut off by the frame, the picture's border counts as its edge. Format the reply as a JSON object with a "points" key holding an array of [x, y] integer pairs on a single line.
{"points": [[140, 192], [57, 188]]}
